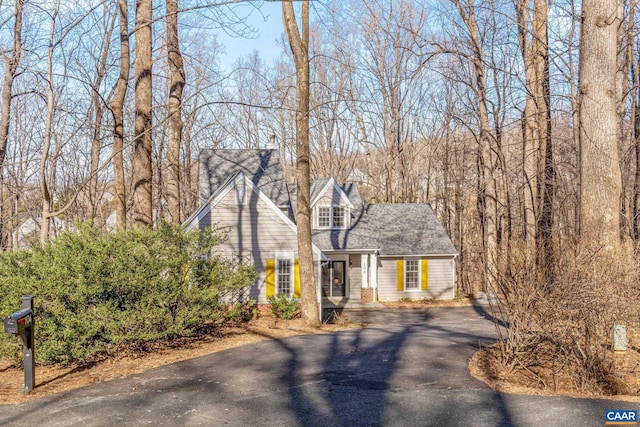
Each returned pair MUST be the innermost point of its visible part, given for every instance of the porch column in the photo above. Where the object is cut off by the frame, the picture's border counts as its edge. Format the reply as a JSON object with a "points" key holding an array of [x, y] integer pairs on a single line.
{"points": [[366, 293], [364, 263], [373, 275]]}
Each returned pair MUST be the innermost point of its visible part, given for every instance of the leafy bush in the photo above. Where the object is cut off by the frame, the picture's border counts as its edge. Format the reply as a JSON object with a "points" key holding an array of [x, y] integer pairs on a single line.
{"points": [[96, 291], [241, 312], [284, 306]]}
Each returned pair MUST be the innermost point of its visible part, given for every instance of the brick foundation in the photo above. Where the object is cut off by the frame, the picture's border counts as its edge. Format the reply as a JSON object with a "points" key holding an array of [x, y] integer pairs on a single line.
{"points": [[264, 309], [366, 295]]}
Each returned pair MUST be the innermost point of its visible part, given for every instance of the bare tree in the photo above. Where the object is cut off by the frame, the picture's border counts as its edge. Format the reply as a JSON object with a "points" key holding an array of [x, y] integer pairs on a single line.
{"points": [[117, 109], [487, 198], [299, 42], [11, 67], [537, 144], [142, 165], [174, 140], [600, 183], [98, 107]]}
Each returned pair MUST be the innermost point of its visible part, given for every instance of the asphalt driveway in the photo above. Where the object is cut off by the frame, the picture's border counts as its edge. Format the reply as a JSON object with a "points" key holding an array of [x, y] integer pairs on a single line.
{"points": [[409, 369]]}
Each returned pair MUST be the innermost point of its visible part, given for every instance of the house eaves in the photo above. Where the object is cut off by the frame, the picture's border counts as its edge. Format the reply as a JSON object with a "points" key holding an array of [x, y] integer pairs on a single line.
{"points": [[226, 188], [336, 188]]}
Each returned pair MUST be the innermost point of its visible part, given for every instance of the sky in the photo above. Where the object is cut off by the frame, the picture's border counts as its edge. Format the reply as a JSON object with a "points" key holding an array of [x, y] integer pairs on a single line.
{"points": [[268, 25]]}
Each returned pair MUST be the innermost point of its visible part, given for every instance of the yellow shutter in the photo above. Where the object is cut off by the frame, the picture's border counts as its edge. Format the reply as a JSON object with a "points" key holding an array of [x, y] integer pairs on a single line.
{"points": [[424, 283], [271, 278], [401, 275], [296, 279]]}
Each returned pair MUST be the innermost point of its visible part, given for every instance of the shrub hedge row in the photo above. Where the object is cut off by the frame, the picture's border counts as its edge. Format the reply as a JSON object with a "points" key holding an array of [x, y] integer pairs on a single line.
{"points": [[96, 292]]}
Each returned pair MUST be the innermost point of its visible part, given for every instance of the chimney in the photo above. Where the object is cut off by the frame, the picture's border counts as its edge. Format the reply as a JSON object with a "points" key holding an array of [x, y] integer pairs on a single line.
{"points": [[272, 144]]}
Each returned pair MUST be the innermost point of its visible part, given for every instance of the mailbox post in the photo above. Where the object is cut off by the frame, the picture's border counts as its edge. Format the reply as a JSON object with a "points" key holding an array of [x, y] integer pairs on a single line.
{"points": [[21, 324]]}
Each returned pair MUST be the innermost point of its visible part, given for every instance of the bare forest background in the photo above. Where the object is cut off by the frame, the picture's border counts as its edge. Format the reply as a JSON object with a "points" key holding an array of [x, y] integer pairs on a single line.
{"points": [[472, 106]]}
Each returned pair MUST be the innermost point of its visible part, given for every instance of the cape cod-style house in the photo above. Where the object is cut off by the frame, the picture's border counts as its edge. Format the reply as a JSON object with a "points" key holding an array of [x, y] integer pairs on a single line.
{"points": [[362, 252]]}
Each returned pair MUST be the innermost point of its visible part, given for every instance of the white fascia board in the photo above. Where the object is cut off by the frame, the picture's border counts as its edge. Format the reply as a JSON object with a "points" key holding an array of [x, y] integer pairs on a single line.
{"points": [[205, 207], [331, 251], [342, 193], [218, 196], [324, 190], [418, 255], [213, 200], [278, 211], [332, 182]]}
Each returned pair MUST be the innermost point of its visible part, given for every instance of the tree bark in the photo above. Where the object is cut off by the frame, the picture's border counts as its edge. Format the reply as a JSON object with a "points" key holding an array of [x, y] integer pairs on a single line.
{"points": [[142, 168], [117, 108], [530, 150], [98, 109], [299, 43], [48, 128], [174, 141], [544, 232], [599, 167], [11, 67]]}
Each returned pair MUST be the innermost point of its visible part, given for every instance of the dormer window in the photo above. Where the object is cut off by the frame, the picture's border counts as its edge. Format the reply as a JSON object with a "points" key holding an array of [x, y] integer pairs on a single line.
{"points": [[331, 216], [324, 217]]}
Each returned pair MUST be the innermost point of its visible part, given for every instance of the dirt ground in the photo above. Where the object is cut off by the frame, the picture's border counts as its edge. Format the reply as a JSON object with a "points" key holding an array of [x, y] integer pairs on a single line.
{"points": [[485, 366], [50, 380]]}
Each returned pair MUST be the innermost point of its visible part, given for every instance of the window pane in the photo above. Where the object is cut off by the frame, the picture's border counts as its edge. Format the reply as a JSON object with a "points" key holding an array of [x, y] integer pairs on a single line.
{"points": [[412, 279], [338, 216], [324, 219], [284, 276]]}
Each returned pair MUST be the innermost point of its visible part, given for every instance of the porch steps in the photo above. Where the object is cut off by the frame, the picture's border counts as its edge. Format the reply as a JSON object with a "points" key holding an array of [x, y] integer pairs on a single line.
{"points": [[346, 309]]}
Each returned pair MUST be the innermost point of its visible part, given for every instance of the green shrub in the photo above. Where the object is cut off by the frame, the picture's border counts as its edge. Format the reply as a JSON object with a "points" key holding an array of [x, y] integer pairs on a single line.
{"points": [[96, 292], [284, 306], [241, 312]]}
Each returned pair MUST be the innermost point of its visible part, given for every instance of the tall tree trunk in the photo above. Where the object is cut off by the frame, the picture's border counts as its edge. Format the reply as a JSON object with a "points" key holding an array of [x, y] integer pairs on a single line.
{"points": [[530, 150], [176, 84], [599, 166], [537, 151], [98, 109], [636, 146], [488, 206], [626, 40], [142, 169], [299, 42], [117, 108], [48, 128], [10, 69], [546, 173]]}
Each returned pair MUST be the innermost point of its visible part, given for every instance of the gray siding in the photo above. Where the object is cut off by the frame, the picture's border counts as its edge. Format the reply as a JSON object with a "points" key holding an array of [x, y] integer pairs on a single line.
{"points": [[330, 197], [253, 230], [441, 280]]}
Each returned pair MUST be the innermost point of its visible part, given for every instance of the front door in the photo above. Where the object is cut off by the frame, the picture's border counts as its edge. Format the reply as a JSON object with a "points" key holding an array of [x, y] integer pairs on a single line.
{"points": [[333, 279]]}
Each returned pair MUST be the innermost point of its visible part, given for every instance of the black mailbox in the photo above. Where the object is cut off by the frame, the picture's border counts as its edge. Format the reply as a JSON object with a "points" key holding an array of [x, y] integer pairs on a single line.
{"points": [[20, 324], [16, 323]]}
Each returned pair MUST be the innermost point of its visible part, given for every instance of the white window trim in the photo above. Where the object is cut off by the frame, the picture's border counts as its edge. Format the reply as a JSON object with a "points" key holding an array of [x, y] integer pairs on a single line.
{"points": [[285, 256], [346, 217], [418, 288], [318, 217]]}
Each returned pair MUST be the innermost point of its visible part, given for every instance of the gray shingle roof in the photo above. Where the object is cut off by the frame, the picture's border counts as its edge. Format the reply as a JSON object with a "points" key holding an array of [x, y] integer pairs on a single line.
{"points": [[317, 186], [262, 166], [394, 229]]}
